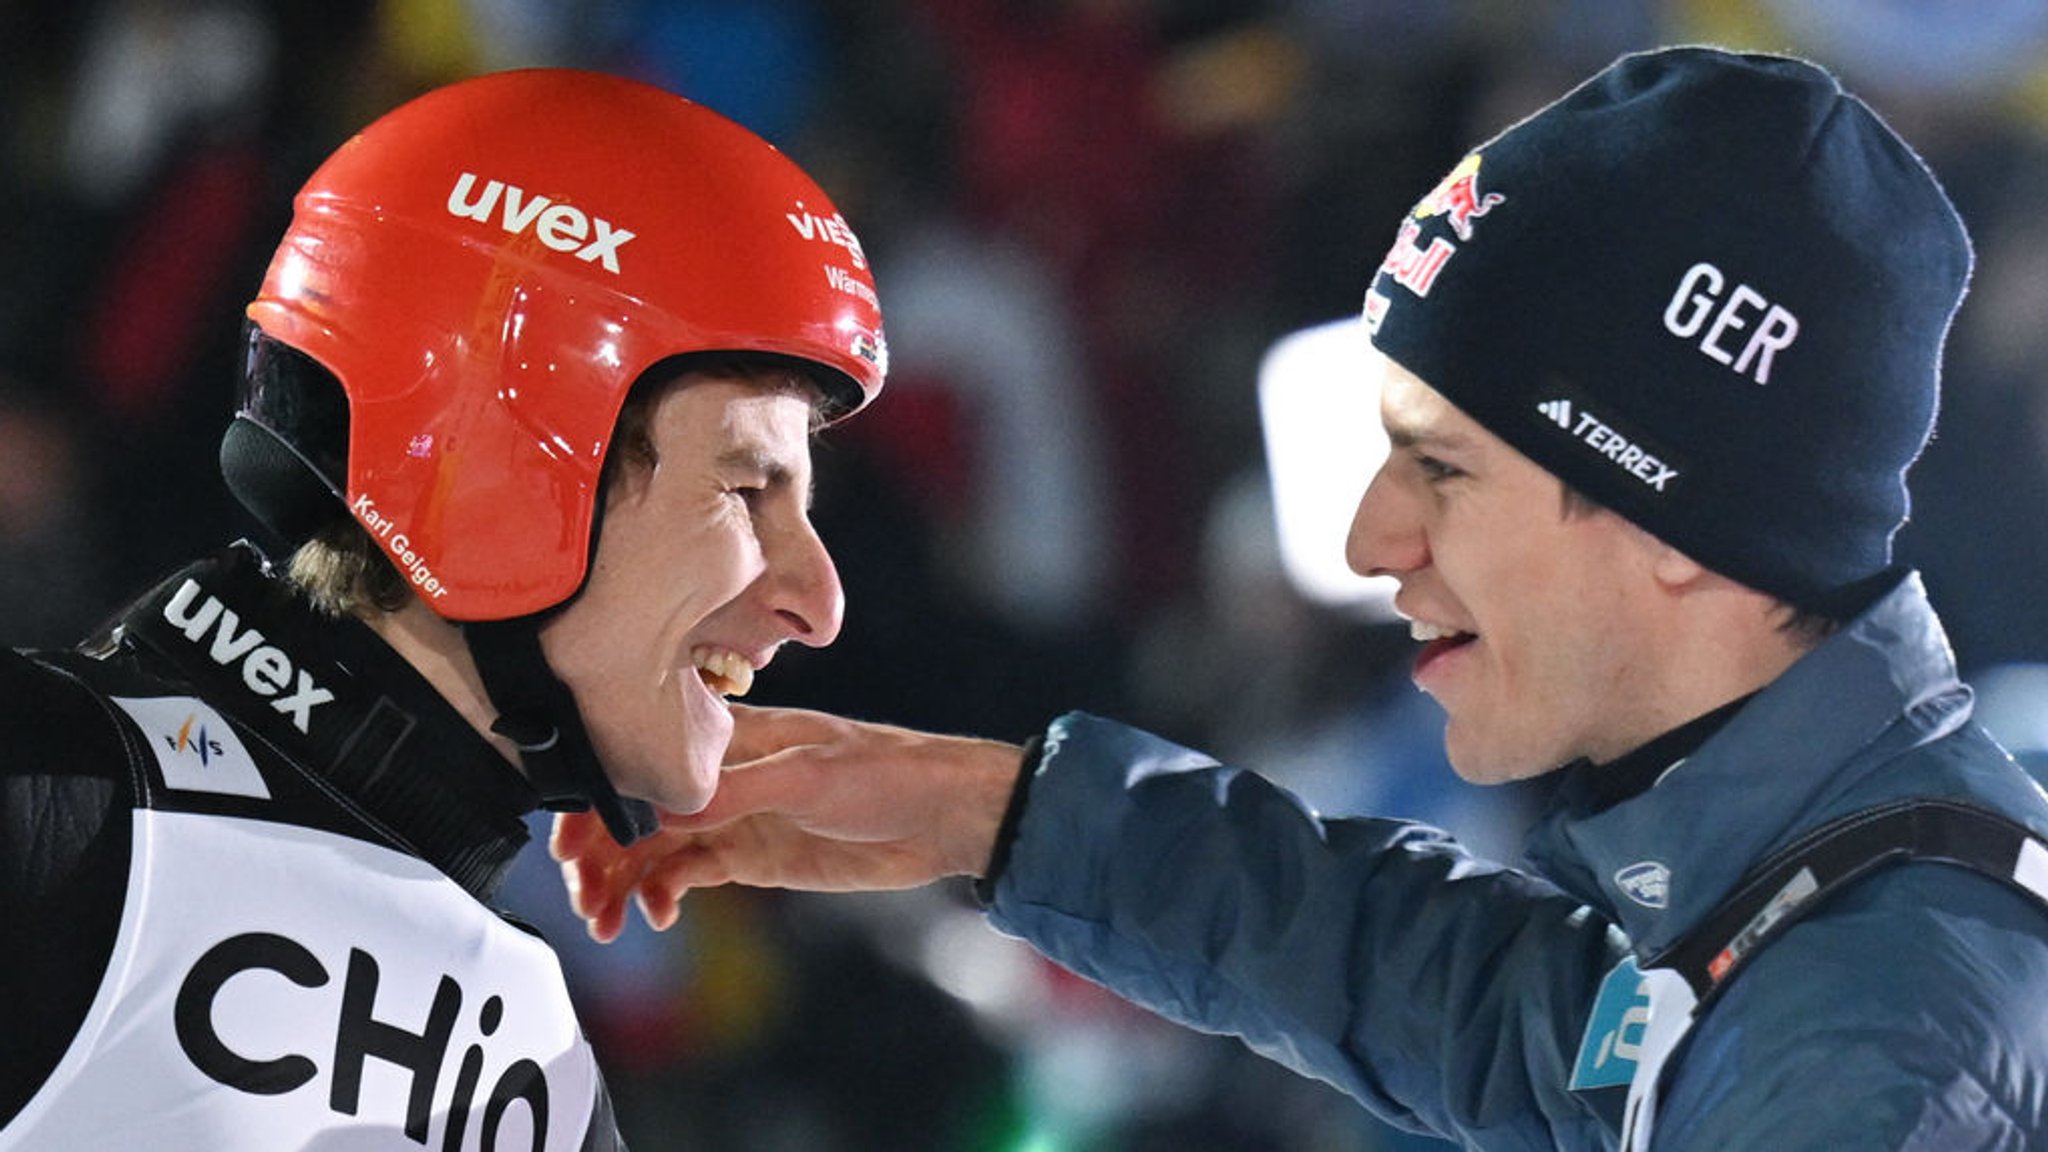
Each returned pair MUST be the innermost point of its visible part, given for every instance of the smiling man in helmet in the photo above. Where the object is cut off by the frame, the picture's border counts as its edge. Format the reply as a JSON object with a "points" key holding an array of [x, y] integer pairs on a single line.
{"points": [[529, 391]]}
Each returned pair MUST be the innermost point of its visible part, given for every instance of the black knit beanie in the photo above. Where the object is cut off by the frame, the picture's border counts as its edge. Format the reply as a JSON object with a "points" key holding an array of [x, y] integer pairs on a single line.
{"points": [[1708, 291]]}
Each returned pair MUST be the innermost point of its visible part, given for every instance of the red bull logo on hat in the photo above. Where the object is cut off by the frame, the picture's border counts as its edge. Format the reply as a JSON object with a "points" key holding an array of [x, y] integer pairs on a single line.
{"points": [[1458, 200]]}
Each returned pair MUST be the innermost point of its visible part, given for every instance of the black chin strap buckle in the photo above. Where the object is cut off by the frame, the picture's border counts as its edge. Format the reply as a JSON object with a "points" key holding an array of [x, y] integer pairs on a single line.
{"points": [[529, 733], [538, 715], [563, 788]]}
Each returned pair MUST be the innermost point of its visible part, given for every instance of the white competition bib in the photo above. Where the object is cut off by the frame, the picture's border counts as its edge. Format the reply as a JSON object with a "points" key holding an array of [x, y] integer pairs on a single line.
{"points": [[276, 987]]}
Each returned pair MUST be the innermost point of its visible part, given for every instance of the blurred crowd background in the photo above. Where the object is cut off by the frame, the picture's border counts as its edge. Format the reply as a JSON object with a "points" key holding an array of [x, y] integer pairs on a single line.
{"points": [[1089, 219]]}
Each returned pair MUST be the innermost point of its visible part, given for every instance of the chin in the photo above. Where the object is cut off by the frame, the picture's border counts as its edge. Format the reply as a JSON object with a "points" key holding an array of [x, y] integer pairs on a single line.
{"points": [[1482, 765], [1507, 750], [1479, 775], [1466, 761], [688, 804], [1501, 769], [687, 796], [682, 786]]}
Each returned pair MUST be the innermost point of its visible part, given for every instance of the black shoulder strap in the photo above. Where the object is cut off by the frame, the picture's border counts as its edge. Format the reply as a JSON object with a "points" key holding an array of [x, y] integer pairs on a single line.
{"points": [[338, 711], [1796, 881]]}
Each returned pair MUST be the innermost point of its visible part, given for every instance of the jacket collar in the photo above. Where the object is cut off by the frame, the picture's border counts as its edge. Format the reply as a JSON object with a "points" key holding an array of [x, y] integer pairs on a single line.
{"points": [[340, 704], [1661, 861]]}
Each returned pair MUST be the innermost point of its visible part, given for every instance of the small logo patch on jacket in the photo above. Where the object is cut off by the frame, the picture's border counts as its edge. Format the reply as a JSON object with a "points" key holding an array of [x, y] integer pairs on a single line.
{"points": [[1647, 883]]}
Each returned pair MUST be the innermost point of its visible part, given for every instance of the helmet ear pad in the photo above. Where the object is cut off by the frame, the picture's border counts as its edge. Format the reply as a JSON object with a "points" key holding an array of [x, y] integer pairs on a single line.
{"points": [[286, 451], [276, 484]]}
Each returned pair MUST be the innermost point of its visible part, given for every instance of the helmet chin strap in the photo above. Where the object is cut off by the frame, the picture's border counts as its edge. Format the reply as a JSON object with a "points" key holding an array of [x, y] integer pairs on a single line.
{"points": [[537, 712]]}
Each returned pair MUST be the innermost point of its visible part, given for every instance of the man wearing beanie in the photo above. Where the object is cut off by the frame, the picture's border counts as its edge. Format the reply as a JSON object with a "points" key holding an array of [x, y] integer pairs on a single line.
{"points": [[1656, 362]]}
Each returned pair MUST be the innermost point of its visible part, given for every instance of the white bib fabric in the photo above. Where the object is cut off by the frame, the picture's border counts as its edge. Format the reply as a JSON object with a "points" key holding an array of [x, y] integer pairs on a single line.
{"points": [[277, 987], [1671, 1005]]}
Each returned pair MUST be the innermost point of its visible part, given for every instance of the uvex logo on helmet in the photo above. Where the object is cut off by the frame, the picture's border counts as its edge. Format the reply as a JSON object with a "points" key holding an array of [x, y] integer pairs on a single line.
{"points": [[562, 227]]}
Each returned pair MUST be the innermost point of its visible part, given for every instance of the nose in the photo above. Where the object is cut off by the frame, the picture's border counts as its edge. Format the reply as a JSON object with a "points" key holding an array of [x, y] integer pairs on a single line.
{"points": [[805, 586], [1386, 537]]}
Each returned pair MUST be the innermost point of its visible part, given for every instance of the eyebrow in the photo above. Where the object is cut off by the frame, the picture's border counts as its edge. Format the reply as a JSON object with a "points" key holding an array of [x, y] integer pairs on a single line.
{"points": [[1409, 436], [770, 467]]}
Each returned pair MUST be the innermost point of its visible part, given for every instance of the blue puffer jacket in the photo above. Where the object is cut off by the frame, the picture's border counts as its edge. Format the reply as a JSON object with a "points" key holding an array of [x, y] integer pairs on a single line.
{"points": [[1454, 996]]}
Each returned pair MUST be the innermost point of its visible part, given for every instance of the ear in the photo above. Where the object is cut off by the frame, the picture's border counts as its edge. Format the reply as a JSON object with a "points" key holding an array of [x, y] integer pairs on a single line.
{"points": [[1673, 569]]}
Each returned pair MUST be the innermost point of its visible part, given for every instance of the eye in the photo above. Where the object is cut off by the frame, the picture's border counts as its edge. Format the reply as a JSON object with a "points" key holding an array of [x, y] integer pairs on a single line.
{"points": [[1436, 471], [757, 485]]}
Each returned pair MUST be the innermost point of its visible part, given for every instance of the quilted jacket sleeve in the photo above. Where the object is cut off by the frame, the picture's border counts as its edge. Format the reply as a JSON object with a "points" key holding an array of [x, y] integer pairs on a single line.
{"points": [[1445, 994]]}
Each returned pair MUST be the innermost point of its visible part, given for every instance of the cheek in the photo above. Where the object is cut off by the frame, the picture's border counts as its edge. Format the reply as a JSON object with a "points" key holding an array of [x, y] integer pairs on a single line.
{"points": [[1540, 627], [657, 560], [712, 565], [1574, 669]]}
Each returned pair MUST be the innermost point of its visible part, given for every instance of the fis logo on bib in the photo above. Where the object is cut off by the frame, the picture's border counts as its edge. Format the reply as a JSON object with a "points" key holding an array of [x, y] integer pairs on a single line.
{"points": [[200, 743], [196, 749]]}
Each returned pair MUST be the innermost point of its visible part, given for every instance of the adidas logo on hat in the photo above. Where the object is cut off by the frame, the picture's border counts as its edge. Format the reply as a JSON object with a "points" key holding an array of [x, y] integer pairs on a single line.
{"points": [[1598, 435]]}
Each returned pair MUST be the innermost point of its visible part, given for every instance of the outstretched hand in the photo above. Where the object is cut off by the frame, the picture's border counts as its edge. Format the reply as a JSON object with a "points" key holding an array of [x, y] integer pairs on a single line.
{"points": [[809, 801]]}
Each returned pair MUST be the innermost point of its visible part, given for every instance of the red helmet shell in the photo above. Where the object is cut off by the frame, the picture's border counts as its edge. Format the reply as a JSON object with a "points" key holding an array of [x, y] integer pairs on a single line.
{"points": [[489, 268]]}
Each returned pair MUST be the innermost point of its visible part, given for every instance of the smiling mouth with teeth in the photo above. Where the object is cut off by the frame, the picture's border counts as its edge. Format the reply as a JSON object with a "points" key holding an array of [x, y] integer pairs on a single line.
{"points": [[1425, 633], [725, 672], [1436, 641]]}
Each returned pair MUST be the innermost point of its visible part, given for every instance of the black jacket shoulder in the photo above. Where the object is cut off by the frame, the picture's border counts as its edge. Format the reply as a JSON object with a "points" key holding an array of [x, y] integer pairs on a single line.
{"points": [[65, 767], [65, 794]]}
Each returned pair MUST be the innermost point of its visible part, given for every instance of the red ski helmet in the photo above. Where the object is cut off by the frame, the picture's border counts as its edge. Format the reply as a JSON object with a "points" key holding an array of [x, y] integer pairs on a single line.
{"points": [[487, 270]]}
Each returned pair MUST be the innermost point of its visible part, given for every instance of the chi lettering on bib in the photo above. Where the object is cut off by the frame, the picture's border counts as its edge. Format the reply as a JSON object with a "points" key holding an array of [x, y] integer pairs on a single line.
{"points": [[275, 986]]}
